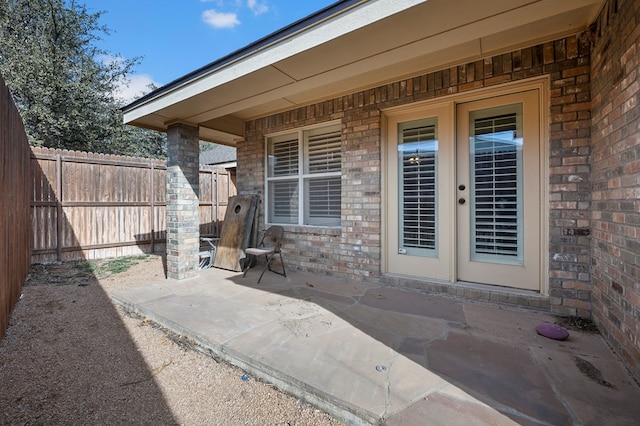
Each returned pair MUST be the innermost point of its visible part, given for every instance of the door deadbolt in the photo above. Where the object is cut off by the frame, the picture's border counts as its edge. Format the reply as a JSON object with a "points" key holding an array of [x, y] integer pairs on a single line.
{"points": [[462, 187]]}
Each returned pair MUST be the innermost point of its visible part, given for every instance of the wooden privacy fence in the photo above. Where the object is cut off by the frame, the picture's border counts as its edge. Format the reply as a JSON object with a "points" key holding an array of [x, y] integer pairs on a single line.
{"points": [[15, 227], [96, 206]]}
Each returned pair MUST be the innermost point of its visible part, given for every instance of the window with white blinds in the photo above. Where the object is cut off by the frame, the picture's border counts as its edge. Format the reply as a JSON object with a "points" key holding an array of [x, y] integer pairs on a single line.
{"points": [[417, 168], [496, 153], [324, 152], [304, 177]]}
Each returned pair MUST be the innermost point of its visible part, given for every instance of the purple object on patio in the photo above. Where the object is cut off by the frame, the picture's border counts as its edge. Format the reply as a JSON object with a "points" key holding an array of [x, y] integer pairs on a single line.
{"points": [[552, 331]]}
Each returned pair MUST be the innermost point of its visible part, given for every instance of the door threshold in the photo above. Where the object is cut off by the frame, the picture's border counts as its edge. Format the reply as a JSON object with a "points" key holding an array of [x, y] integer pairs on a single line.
{"points": [[485, 293]]}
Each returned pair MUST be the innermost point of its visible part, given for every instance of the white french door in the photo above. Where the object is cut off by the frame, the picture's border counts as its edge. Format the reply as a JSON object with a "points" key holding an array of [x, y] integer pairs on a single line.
{"points": [[498, 191], [466, 181], [420, 238]]}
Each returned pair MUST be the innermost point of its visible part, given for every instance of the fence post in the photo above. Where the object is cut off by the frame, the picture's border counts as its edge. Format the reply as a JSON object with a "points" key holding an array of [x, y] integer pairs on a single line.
{"points": [[59, 212], [153, 208], [214, 196]]}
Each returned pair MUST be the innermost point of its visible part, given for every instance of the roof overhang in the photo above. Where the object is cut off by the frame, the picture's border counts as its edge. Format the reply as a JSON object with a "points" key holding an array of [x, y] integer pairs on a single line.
{"points": [[350, 46]]}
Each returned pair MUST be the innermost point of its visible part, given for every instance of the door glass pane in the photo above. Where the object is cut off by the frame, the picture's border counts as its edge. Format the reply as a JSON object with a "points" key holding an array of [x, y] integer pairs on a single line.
{"points": [[496, 184], [417, 168]]}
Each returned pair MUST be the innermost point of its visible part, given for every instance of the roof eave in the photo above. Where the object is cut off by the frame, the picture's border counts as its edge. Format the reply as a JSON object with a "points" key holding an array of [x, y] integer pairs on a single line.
{"points": [[269, 40]]}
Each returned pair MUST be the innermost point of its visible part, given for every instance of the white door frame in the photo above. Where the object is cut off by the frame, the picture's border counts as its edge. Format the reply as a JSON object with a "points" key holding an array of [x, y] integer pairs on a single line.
{"points": [[391, 116]]}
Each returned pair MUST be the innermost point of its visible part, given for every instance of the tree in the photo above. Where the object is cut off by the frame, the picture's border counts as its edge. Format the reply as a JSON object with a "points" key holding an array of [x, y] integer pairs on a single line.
{"points": [[61, 82], [137, 142]]}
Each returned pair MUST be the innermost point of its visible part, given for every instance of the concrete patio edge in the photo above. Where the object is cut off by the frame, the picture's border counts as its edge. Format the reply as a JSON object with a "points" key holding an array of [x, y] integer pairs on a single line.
{"points": [[328, 403]]}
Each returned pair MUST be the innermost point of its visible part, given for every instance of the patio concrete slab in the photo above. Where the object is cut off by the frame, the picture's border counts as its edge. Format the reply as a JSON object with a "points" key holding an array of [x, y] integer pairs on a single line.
{"points": [[370, 354]]}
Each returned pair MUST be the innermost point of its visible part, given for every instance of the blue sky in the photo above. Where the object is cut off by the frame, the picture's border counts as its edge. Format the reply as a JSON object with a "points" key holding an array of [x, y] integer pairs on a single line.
{"points": [[175, 37]]}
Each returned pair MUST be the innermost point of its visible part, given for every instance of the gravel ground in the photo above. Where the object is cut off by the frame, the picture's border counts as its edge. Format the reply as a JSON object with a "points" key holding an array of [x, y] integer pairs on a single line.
{"points": [[71, 357]]}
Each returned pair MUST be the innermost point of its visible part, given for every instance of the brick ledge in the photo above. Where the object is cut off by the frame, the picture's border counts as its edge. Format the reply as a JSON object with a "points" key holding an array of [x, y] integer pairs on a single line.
{"points": [[472, 291]]}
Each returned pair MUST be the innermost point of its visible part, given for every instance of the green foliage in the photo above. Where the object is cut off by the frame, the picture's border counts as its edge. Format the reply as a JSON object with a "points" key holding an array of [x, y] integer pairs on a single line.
{"points": [[101, 269], [63, 84], [137, 142], [85, 267], [206, 146], [121, 264]]}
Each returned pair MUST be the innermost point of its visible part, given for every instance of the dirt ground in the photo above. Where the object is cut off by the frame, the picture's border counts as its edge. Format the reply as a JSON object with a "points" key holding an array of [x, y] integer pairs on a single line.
{"points": [[71, 357]]}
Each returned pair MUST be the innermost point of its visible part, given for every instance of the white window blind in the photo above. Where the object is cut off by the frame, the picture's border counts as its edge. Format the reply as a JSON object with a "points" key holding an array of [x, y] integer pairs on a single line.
{"points": [[283, 157], [283, 201], [324, 200], [417, 165], [324, 152], [496, 169]]}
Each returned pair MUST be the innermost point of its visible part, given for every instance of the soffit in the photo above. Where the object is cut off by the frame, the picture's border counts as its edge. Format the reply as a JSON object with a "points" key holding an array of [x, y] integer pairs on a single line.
{"points": [[314, 65]]}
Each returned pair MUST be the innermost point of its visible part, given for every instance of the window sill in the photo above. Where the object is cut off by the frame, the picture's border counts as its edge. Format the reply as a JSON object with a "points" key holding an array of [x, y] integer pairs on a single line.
{"points": [[333, 231]]}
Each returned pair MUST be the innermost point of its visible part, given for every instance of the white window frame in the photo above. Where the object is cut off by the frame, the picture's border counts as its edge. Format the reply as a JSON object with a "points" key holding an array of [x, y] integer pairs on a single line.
{"points": [[302, 177]]}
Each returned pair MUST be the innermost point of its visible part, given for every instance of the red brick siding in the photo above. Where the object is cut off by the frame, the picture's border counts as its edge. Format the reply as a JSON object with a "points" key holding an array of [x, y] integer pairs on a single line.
{"points": [[567, 63], [616, 178]]}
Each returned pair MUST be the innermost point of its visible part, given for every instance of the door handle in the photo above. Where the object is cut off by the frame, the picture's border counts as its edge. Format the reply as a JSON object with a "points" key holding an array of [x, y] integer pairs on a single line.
{"points": [[461, 201]]}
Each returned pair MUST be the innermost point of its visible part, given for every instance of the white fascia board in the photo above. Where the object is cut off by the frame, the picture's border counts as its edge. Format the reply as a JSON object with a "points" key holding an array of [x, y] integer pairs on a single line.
{"points": [[334, 27]]}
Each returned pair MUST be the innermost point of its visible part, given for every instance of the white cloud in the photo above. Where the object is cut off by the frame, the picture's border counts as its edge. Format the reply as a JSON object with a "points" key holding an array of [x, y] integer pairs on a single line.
{"points": [[219, 19], [128, 89], [257, 8], [133, 87]]}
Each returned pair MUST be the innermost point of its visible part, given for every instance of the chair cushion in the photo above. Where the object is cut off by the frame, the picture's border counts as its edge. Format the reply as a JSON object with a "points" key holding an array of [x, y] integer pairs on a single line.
{"points": [[259, 251]]}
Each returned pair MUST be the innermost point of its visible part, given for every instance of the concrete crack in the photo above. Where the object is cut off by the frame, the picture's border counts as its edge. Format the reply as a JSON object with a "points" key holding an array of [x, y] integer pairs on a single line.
{"points": [[387, 396]]}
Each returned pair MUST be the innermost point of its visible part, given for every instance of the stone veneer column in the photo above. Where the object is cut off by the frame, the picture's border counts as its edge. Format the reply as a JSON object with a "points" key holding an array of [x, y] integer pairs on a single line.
{"points": [[183, 220]]}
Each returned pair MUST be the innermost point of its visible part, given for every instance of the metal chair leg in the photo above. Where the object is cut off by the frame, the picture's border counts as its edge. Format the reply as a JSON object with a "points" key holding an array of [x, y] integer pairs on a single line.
{"points": [[267, 266], [247, 266], [284, 272]]}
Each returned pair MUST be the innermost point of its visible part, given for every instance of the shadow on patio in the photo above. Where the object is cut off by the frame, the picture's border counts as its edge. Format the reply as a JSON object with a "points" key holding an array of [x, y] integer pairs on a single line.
{"points": [[375, 354]]}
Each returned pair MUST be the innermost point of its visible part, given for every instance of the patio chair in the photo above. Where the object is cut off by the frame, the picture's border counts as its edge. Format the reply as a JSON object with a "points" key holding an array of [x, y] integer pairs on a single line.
{"points": [[269, 246]]}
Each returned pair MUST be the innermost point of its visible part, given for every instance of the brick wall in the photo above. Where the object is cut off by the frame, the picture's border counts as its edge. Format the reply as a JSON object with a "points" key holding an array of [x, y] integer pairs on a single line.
{"points": [[565, 61], [616, 178], [183, 219], [569, 176]]}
